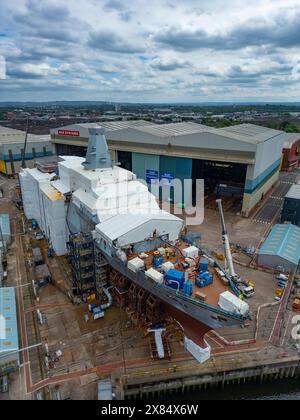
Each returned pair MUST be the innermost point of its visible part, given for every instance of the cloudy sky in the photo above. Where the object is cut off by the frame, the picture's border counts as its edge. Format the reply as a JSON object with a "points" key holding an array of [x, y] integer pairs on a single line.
{"points": [[150, 50]]}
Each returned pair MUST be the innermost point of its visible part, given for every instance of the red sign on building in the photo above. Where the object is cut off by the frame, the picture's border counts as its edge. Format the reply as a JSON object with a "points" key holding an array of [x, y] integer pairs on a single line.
{"points": [[69, 133]]}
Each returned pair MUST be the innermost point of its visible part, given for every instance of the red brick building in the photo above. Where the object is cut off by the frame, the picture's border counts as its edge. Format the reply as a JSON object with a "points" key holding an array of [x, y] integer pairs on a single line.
{"points": [[291, 153]]}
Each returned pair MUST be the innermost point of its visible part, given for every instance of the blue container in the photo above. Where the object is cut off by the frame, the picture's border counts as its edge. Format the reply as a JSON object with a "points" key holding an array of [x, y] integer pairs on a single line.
{"points": [[188, 288], [204, 279], [203, 267], [157, 262], [175, 277]]}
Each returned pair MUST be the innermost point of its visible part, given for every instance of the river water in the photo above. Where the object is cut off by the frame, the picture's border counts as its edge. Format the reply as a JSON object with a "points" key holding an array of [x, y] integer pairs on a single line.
{"points": [[279, 390]]}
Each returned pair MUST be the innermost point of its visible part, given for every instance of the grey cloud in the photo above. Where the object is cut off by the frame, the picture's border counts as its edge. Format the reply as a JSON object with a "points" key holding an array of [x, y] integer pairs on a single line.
{"points": [[237, 73], [119, 6], [47, 21], [168, 65], [282, 32], [111, 42], [19, 74], [115, 5]]}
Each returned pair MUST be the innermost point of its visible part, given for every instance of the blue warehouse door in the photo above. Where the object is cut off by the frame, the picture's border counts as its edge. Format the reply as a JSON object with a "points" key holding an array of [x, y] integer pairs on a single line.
{"points": [[146, 167], [172, 168]]}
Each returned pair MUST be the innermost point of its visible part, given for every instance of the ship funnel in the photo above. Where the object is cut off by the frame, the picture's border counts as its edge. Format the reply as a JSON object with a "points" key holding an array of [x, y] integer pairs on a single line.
{"points": [[97, 156]]}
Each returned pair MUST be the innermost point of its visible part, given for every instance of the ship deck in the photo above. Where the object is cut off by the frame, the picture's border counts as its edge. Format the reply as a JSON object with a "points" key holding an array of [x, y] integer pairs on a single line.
{"points": [[211, 292]]}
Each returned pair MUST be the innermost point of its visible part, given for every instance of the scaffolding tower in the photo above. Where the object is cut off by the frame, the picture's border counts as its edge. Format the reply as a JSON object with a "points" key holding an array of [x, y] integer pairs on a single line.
{"points": [[82, 254], [101, 271]]}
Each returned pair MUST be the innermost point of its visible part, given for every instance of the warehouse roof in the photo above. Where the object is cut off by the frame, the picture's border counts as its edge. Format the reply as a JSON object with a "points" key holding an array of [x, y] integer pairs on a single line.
{"points": [[294, 192], [284, 242], [251, 133], [119, 125], [174, 129], [107, 125], [6, 131], [9, 313], [247, 133], [12, 136]]}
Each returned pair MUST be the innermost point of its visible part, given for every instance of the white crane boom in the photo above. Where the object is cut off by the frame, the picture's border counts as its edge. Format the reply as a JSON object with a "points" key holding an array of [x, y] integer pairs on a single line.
{"points": [[226, 243]]}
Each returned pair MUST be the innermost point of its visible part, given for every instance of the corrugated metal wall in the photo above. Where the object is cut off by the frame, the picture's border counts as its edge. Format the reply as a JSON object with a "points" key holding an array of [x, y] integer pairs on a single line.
{"points": [[141, 163], [179, 168], [291, 211], [147, 167]]}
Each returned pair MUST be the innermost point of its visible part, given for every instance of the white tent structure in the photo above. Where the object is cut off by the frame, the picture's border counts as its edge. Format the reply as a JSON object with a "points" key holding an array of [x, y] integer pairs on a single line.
{"points": [[124, 230]]}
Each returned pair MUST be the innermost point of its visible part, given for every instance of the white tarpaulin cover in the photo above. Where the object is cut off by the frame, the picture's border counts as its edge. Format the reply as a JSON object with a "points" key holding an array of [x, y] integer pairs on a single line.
{"points": [[199, 353], [129, 229], [229, 302]]}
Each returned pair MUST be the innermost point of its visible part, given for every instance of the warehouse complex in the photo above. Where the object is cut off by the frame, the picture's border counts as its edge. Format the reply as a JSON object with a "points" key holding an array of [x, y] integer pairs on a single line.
{"points": [[281, 248], [242, 160], [12, 149]]}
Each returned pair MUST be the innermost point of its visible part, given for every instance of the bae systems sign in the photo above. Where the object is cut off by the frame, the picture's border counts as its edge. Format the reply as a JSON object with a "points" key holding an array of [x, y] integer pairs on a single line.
{"points": [[69, 133]]}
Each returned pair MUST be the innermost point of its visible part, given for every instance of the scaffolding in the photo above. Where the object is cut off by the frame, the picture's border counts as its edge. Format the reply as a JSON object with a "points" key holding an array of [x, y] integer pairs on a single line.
{"points": [[82, 255], [101, 271]]}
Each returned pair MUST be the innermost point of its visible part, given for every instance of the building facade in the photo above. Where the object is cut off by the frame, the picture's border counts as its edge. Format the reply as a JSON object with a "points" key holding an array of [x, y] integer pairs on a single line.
{"points": [[12, 149], [245, 155], [291, 206], [291, 152], [281, 250]]}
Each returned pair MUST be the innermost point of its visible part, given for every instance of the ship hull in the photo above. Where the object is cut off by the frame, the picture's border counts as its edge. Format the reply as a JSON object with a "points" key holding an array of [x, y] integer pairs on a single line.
{"points": [[209, 316]]}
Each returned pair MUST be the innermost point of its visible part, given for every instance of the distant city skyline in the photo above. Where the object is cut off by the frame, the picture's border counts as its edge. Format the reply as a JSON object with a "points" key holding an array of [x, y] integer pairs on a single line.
{"points": [[150, 52]]}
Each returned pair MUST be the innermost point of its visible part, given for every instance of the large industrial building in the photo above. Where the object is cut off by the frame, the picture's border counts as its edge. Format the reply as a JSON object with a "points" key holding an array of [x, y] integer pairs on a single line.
{"points": [[12, 149], [281, 249], [244, 159]]}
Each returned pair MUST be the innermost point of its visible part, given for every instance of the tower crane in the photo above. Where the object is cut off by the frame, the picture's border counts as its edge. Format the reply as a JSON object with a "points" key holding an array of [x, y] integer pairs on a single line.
{"points": [[244, 287]]}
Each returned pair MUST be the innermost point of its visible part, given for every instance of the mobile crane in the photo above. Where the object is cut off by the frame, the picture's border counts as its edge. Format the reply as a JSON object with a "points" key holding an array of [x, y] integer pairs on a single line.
{"points": [[244, 287]]}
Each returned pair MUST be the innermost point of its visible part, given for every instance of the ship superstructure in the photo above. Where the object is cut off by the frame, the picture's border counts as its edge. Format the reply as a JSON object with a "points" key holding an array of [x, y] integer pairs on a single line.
{"points": [[138, 239]]}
